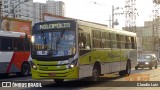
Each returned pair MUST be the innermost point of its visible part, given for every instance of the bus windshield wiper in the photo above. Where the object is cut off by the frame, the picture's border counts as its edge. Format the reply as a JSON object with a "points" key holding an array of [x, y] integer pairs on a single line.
{"points": [[44, 40], [59, 38]]}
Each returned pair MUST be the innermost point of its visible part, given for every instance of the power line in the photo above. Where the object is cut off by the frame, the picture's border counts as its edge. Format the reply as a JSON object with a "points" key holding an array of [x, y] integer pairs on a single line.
{"points": [[25, 16], [15, 12]]}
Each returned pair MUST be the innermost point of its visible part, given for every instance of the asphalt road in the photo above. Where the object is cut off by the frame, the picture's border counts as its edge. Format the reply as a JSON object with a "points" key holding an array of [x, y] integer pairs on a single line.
{"points": [[107, 82]]}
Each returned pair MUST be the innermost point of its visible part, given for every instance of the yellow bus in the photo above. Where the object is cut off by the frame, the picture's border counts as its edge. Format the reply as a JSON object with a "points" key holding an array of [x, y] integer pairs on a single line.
{"points": [[74, 49]]}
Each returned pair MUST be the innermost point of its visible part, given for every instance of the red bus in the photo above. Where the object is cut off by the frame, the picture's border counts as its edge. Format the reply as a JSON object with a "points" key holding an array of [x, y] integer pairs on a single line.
{"points": [[14, 53]]}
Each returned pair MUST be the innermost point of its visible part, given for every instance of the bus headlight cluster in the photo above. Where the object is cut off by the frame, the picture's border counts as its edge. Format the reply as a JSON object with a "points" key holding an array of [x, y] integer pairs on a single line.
{"points": [[33, 65], [73, 64]]}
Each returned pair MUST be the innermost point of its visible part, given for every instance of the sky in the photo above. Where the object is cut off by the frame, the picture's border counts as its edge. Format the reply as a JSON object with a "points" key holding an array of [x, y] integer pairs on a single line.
{"points": [[102, 10]]}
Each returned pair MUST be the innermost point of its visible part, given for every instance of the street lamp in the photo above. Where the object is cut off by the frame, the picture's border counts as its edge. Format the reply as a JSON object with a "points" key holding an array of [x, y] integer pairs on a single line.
{"points": [[12, 11]]}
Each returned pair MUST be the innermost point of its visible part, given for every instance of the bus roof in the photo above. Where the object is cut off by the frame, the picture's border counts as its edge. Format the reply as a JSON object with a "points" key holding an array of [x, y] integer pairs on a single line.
{"points": [[11, 34], [95, 25], [101, 26]]}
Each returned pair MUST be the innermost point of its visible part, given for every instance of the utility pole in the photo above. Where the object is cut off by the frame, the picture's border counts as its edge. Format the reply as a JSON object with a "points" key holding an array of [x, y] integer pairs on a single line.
{"points": [[112, 16], [115, 22], [130, 15]]}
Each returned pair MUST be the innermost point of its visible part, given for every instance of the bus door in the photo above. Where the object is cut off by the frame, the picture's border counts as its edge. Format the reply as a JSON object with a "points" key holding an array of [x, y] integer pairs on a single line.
{"points": [[85, 54]]}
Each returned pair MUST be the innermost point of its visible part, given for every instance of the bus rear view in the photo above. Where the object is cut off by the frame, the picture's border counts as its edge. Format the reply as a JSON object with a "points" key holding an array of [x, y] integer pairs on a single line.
{"points": [[54, 50]]}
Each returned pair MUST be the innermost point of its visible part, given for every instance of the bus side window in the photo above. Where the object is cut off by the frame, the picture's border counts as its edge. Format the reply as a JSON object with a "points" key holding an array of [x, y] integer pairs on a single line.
{"points": [[126, 42], [97, 39], [27, 44], [6, 44], [133, 42], [18, 44], [113, 40]]}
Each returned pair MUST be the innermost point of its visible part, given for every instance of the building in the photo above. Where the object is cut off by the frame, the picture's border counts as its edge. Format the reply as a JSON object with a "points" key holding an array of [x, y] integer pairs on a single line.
{"points": [[19, 9], [29, 10], [39, 9], [51, 6], [55, 7]]}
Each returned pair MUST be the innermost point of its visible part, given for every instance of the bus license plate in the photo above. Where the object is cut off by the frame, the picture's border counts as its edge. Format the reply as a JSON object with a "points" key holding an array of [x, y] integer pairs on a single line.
{"points": [[52, 74]]}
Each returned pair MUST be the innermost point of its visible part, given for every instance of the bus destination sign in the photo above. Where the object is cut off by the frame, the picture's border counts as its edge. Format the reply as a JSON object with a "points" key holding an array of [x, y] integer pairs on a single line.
{"points": [[54, 26]]}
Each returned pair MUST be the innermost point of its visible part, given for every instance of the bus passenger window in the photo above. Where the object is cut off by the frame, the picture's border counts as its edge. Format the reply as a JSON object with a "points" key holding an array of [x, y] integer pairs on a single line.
{"points": [[27, 44], [18, 44]]}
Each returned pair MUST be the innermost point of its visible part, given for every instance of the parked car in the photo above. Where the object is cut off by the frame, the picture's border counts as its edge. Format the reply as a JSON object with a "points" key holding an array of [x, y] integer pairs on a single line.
{"points": [[147, 60]]}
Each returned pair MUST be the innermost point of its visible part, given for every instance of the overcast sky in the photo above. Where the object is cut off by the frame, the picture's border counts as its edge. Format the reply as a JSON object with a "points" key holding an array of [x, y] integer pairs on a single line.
{"points": [[101, 11]]}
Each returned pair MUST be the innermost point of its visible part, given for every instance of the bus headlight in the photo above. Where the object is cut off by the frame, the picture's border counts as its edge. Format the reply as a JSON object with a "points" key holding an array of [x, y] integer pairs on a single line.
{"points": [[73, 64], [33, 66], [146, 62], [32, 39]]}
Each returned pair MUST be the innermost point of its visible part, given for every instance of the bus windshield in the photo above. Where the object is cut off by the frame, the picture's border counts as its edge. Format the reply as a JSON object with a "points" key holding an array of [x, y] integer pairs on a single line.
{"points": [[57, 43]]}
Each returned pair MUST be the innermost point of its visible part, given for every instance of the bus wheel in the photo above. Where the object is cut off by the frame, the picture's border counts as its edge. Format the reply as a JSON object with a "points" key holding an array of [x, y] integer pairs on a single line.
{"points": [[95, 74], [58, 81], [156, 65], [127, 71], [122, 73], [4, 75], [150, 67], [25, 70], [136, 68]]}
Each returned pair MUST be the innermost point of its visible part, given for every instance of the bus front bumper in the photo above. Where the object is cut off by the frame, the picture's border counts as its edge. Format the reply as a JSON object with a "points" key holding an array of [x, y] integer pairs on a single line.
{"points": [[67, 74]]}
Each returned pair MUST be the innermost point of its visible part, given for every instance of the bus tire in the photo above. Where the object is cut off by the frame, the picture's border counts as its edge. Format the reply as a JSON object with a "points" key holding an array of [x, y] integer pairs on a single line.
{"points": [[4, 75], [58, 81], [156, 65], [136, 68], [25, 69], [150, 67], [95, 74], [127, 71], [128, 68]]}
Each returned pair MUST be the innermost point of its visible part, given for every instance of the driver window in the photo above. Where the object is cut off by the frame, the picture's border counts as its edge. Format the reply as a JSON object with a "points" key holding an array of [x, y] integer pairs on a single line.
{"points": [[84, 39], [88, 45]]}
